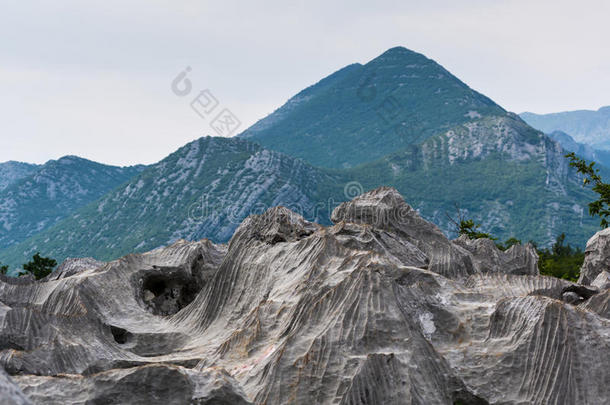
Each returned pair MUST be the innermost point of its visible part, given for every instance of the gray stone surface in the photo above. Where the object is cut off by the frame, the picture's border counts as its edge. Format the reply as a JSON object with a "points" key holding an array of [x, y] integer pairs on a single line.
{"points": [[10, 393], [143, 385], [72, 266], [380, 308], [519, 260], [597, 257], [602, 281]]}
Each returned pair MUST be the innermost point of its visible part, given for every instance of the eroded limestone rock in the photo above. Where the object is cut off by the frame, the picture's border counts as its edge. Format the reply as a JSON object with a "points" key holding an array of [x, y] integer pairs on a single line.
{"points": [[597, 257], [10, 393], [602, 281], [519, 260], [380, 308]]}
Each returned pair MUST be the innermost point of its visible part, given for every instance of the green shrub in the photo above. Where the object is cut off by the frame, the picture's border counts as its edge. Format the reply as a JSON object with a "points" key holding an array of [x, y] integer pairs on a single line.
{"points": [[601, 206], [39, 266], [561, 261]]}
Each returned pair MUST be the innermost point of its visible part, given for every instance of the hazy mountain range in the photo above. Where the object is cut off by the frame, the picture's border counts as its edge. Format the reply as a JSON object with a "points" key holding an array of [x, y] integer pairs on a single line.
{"points": [[53, 191], [584, 150], [400, 120], [585, 126], [10, 172]]}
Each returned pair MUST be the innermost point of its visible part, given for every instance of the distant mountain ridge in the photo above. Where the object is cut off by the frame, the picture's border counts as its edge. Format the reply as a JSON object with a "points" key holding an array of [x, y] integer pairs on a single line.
{"points": [[585, 126], [491, 167], [586, 151], [204, 189], [401, 120], [11, 172], [52, 192]]}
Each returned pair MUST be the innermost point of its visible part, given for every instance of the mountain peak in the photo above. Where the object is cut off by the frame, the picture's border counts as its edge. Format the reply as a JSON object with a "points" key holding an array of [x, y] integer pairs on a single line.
{"points": [[604, 110], [363, 112], [71, 159], [400, 51], [406, 57]]}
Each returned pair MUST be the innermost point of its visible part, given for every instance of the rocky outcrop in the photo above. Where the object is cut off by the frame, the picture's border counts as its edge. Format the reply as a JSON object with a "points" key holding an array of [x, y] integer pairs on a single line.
{"points": [[143, 385], [10, 392], [597, 257], [385, 209], [487, 258], [380, 308], [602, 281], [72, 266]]}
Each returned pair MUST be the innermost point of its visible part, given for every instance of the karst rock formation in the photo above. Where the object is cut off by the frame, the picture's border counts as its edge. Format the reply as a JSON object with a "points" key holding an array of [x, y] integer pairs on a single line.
{"points": [[380, 308]]}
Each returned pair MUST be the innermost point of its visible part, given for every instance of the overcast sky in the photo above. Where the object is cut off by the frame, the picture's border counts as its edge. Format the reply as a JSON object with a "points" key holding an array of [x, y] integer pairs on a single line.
{"points": [[94, 78]]}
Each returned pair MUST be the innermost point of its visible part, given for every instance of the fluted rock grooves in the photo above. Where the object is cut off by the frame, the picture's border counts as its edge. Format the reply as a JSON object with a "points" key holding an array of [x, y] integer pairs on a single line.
{"points": [[380, 308]]}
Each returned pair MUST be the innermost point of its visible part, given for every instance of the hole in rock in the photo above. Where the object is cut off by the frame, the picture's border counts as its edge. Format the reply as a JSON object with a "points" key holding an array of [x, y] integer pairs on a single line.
{"points": [[156, 286], [6, 342], [121, 336], [167, 292], [464, 397], [577, 294]]}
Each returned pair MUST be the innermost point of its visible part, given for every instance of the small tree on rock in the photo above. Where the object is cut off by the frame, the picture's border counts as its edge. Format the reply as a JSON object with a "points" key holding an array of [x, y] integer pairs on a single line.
{"points": [[600, 207], [466, 226], [39, 266], [469, 228]]}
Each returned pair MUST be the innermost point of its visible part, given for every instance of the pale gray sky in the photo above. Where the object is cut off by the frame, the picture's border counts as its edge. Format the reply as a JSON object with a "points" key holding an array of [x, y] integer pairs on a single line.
{"points": [[93, 78]]}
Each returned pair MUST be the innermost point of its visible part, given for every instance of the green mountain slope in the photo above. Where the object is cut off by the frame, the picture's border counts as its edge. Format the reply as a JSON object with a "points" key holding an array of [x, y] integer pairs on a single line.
{"points": [[51, 193], [384, 118], [511, 178], [585, 126], [364, 112], [205, 189]]}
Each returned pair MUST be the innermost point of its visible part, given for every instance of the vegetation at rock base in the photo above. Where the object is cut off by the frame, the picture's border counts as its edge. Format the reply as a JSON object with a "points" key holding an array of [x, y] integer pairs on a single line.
{"points": [[39, 266], [601, 206], [561, 260], [3, 269], [509, 243]]}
